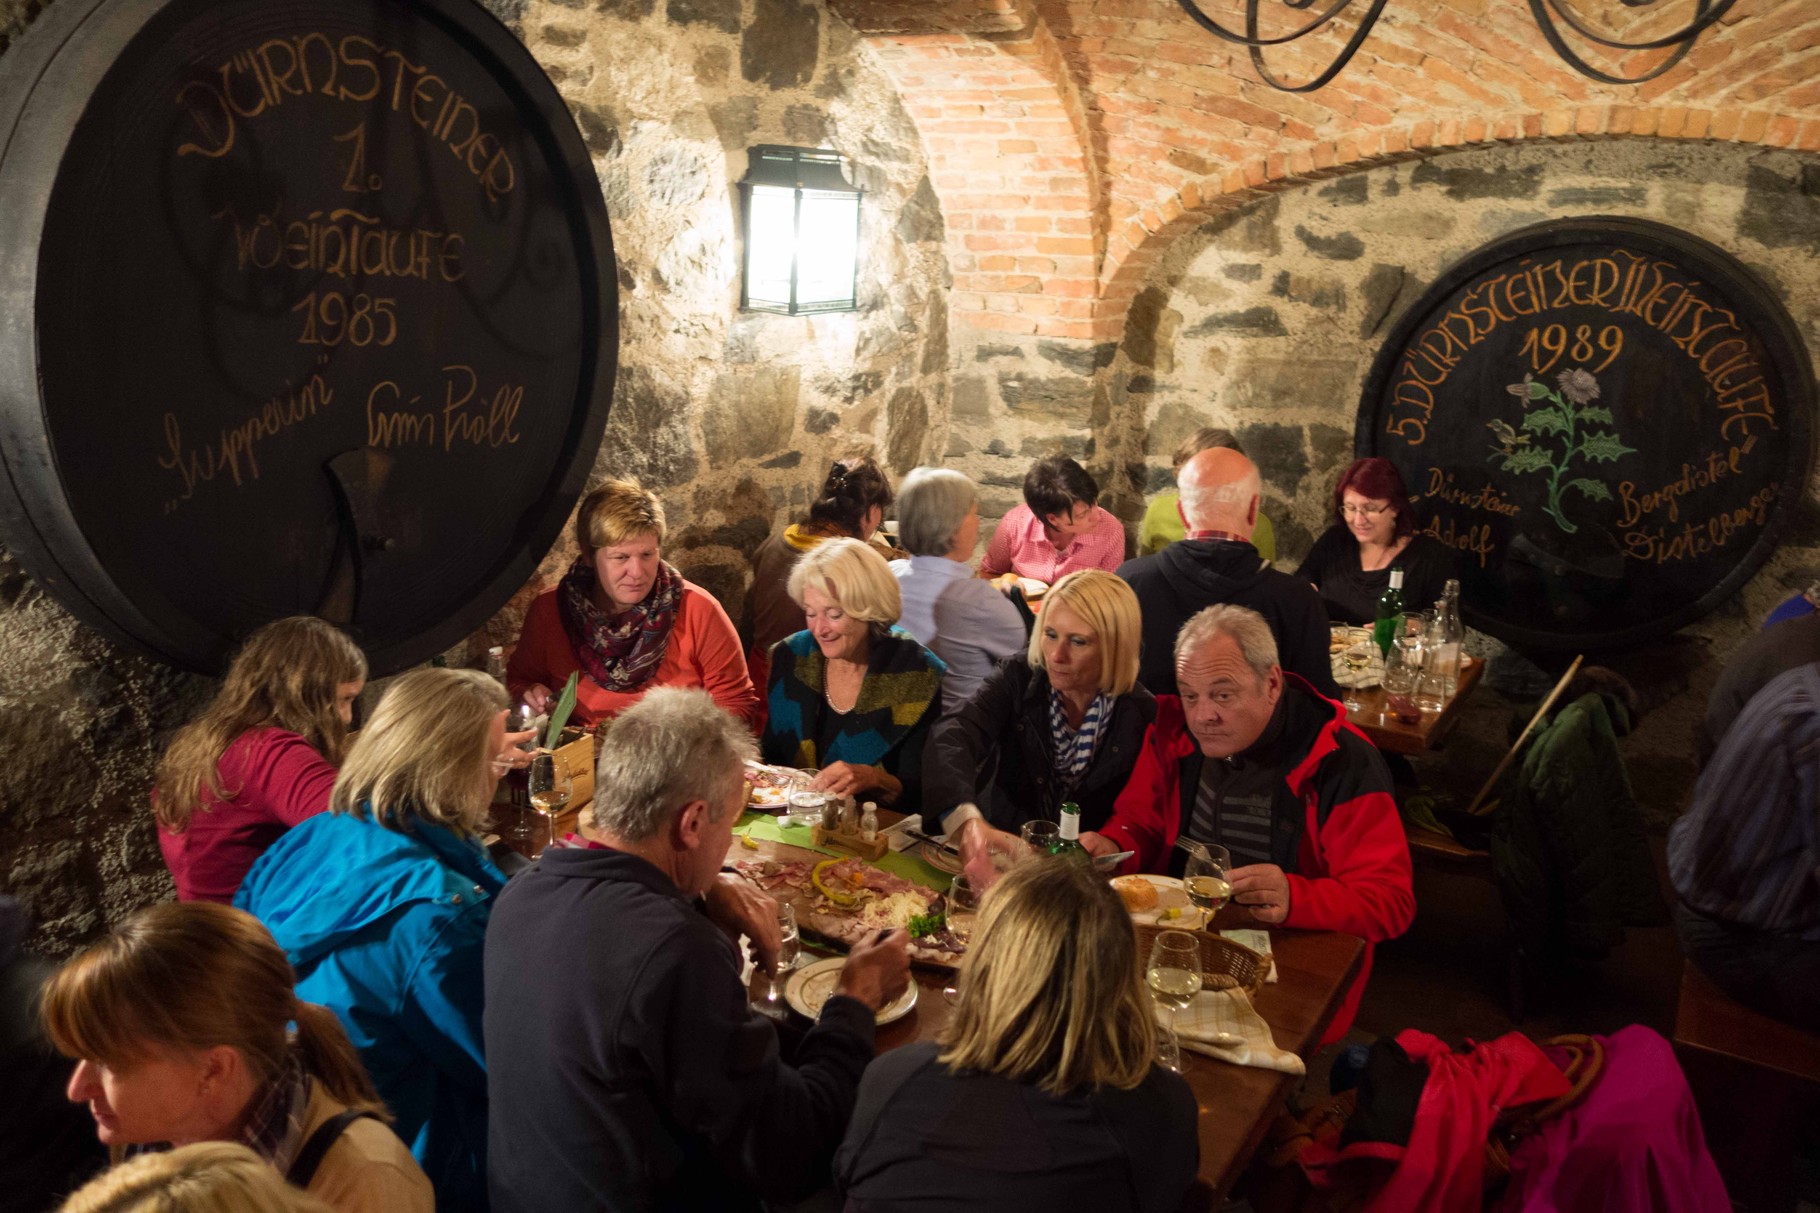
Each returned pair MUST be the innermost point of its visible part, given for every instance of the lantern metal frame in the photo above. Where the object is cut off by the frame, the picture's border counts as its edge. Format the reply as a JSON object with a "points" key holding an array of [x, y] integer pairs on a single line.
{"points": [[804, 170]]}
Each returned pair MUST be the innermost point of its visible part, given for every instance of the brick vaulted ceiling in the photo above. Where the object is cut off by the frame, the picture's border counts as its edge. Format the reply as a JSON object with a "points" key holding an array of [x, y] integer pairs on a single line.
{"points": [[1071, 141]]}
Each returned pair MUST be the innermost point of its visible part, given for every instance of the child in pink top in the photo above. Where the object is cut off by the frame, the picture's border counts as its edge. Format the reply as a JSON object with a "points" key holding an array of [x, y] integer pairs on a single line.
{"points": [[260, 758]]}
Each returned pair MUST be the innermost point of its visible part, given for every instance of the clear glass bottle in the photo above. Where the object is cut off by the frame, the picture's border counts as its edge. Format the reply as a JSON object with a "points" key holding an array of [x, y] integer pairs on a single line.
{"points": [[868, 822], [496, 662], [1453, 637]]}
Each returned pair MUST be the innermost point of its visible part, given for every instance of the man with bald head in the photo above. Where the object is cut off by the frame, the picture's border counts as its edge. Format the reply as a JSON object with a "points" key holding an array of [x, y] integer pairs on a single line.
{"points": [[1216, 563], [1248, 757]]}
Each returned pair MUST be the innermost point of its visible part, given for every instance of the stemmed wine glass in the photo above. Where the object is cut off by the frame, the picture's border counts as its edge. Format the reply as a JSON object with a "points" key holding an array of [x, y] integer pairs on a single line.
{"points": [[1358, 659], [1174, 977], [550, 788], [1204, 880], [963, 912]]}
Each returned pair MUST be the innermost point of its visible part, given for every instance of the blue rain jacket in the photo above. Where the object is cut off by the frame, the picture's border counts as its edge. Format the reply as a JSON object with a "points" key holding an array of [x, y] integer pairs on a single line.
{"points": [[385, 928]]}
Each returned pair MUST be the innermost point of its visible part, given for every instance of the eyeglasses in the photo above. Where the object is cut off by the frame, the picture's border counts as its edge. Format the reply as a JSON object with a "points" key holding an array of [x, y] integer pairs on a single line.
{"points": [[1349, 510]]}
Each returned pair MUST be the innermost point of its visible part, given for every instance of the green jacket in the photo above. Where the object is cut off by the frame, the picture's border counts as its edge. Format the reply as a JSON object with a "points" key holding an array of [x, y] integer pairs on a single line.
{"points": [[1162, 526], [1572, 863]]}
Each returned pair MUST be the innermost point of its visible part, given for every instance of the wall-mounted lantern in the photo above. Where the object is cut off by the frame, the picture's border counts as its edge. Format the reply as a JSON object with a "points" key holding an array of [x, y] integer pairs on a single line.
{"points": [[802, 232]]}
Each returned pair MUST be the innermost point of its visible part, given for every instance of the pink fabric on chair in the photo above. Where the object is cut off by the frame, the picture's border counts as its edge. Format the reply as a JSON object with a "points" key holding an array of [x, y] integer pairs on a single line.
{"points": [[1634, 1143]]}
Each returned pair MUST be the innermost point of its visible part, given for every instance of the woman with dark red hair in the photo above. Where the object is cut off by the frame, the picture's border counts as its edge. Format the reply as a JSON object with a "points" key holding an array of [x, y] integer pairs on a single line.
{"points": [[1374, 531]]}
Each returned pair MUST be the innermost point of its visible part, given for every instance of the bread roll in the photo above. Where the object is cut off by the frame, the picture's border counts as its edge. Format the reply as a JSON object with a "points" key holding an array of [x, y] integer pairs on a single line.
{"points": [[1138, 893]]}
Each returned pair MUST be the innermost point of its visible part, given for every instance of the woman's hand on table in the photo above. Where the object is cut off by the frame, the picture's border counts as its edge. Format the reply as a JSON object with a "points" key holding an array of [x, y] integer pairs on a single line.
{"points": [[537, 697], [850, 779], [738, 907], [1261, 888]]}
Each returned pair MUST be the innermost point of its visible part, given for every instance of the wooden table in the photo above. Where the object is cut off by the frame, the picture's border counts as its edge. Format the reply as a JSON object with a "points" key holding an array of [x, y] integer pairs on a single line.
{"points": [[1393, 736], [1237, 1103]]}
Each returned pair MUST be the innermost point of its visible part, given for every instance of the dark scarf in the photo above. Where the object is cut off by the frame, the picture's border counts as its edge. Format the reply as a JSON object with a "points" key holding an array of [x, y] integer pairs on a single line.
{"points": [[620, 652]]}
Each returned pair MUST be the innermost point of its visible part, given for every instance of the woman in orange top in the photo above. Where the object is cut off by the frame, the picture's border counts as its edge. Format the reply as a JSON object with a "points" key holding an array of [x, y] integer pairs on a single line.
{"points": [[627, 620]]}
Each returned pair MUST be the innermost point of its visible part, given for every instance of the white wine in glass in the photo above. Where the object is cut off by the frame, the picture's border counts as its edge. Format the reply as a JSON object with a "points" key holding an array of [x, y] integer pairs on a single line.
{"points": [[1204, 879], [550, 789], [1173, 974]]}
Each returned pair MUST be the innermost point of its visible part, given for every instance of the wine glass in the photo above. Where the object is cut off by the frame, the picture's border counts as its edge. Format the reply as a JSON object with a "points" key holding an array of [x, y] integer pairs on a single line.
{"points": [[1204, 880], [963, 914], [1040, 835], [1358, 659], [789, 947], [1174, 977], [550, 788]]}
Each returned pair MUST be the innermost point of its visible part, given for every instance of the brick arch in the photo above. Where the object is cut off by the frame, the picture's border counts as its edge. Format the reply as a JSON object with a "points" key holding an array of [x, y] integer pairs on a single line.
{"points": [[1166, 124], [1135, 247]]}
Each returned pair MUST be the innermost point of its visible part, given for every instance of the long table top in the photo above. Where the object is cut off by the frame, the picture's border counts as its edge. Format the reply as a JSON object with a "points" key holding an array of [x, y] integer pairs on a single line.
{"points": [[1237, 1103]]}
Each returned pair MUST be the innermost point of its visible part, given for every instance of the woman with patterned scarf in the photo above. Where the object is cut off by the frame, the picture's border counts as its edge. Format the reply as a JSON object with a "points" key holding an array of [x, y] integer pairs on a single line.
{"points": [[852, 695], [627, 620]]}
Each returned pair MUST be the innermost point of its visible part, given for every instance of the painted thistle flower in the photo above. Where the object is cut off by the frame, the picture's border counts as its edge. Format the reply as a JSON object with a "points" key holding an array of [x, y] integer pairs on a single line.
{"points": [[1578, 385]]}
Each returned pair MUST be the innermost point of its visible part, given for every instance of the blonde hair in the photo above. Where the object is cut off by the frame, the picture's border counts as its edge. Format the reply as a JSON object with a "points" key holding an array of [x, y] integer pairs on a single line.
{"points": [[425, 752], [674, 746], [285, 675], [854, 576], [1052, 992], [193, 975], [618, 511], [1109, 607], [1205, 439], [206, 1177]]}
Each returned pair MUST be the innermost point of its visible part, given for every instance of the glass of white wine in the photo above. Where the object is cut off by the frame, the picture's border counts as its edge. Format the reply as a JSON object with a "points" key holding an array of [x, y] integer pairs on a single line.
{"points": [[550, 789], [1204, 880], [1174, 977]]}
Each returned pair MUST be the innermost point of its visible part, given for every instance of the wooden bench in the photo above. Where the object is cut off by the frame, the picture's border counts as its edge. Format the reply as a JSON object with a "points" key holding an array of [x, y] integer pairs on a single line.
{"points": [[1755, 1080]]}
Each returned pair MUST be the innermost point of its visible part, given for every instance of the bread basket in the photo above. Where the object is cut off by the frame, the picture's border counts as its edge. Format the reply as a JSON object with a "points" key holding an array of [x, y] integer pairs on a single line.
{"points": [[1225, 965]]}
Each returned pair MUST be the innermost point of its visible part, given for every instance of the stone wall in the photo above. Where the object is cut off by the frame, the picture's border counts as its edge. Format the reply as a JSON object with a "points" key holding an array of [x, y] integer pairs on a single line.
{"points": [[1266, 320], [732, 417]]}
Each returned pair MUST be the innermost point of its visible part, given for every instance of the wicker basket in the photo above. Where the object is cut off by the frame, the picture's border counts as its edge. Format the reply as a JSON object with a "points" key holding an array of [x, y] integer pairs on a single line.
{"points": [[1225, 965]]}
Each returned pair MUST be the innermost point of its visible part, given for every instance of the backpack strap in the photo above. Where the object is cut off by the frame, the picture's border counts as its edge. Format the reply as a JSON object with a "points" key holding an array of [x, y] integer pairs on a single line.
{"points": [[303, 1169]]}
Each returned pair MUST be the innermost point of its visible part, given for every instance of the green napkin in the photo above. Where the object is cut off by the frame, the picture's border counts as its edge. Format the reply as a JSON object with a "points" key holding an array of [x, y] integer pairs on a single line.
{"points": [[906, 864]]}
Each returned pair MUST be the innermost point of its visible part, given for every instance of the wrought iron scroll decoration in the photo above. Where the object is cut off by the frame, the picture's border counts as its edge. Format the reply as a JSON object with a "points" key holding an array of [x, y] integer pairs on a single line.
{"points": [[1550, 16]]}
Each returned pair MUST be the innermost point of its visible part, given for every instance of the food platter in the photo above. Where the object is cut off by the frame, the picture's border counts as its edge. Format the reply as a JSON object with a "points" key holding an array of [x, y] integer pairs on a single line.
{"points": [[844, 900], [811, 986]]}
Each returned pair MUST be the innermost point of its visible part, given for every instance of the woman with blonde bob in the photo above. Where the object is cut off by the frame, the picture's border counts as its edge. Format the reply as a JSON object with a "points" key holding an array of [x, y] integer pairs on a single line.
{"points": [[627, 620], [1042, 1092], [208, 1177], [178, 1024], [853, 694], [260, 758], [381, 905], [1061, 722]]}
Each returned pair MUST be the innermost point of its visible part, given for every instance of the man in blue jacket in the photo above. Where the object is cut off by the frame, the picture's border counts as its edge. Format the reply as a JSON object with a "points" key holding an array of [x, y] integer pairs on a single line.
{"points": [[625, 1069]]}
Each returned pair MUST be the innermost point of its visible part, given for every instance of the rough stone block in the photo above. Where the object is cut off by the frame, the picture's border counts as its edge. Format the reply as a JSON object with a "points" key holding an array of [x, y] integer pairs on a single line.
{"points": [[647, 433], [1251, 322], [1063, 400], [1782, 201], [906, 429], [1150, 329], [781, 45], [1464, 183], [1081, 359], [1342, 247], [1589, 196], [1280, 451], [722, 15], [921, 218], [750, 413], [972, 398]]}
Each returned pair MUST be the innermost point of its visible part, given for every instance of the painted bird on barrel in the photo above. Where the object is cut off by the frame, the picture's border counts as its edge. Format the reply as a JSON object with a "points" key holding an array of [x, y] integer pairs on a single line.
{"points": [[1508, 438]]}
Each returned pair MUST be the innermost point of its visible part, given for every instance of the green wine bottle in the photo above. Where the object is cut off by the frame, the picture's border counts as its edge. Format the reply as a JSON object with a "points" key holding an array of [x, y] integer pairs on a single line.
{"points": [[1390, 613], [1067, 844]]}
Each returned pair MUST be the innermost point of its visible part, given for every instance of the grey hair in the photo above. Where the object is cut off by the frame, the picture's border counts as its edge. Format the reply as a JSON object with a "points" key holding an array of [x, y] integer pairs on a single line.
{"points": [[931, 505], [1200, 500], [1247, 628], [674, 746]]}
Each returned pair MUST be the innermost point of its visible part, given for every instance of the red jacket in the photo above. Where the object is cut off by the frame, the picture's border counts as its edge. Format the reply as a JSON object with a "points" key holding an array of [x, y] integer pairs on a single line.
{"points": [[1347, 858]]}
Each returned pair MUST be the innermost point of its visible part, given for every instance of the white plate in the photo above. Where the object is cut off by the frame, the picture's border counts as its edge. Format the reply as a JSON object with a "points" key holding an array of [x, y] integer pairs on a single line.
{"points": [[1033, 589], [809, 987], [1169, 895]]}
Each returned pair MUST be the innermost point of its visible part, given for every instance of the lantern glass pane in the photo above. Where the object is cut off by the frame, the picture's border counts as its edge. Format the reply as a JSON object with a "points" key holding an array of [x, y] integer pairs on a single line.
{"points": [[770, 244], [828, 249]]}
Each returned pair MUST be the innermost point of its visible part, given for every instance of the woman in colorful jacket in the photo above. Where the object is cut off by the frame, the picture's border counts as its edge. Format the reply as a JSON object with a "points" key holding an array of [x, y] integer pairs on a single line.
{"points": [[381, 906], [853, 695]]}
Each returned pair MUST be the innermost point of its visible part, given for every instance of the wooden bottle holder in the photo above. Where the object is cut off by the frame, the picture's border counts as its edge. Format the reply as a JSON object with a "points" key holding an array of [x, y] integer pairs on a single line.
{"points": [[842, 840]]}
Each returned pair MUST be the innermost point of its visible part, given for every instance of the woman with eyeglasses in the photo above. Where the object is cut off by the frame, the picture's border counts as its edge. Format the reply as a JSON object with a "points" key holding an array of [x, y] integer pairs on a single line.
{"points": [[1374, 530]]}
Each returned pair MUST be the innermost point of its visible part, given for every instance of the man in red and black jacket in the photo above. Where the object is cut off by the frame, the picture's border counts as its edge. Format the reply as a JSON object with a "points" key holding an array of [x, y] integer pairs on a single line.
{"points": [[1255, 760]]}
